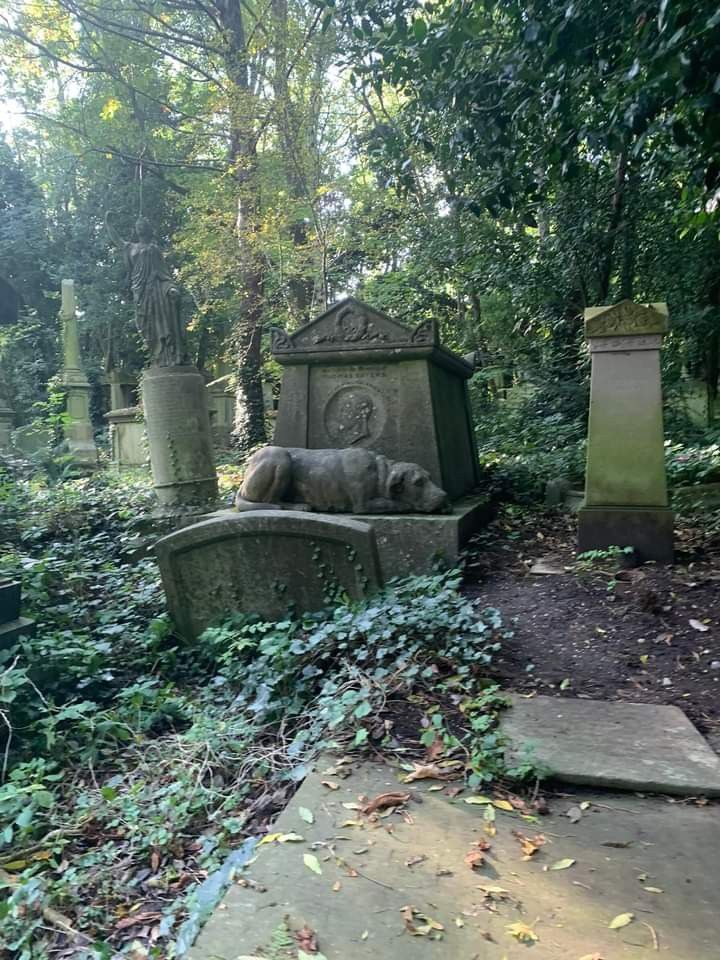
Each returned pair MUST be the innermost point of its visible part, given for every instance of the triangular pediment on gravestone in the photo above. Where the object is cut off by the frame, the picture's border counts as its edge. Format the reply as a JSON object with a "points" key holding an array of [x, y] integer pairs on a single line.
{"points": [[351, 324], [626, 319]]}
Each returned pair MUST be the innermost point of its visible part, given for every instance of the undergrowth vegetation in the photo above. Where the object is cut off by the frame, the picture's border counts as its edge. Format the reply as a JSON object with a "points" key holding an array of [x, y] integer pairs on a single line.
{"points": [[133, 763]]}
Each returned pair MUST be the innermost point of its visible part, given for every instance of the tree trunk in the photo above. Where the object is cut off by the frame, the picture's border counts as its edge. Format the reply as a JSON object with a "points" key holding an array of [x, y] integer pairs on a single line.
{"points": [[246, 336], [616, 218]]}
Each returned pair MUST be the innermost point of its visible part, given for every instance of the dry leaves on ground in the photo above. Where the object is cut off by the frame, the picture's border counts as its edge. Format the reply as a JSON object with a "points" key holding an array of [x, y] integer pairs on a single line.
{"points": [[419, 924]]}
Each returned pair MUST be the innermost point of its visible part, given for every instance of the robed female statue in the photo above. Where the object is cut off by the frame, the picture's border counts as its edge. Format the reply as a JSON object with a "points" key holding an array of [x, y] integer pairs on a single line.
{"points": [[155, 295]]}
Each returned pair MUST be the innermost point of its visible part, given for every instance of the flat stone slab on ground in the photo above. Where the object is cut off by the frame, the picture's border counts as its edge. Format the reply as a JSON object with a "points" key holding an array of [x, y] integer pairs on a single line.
{"points": [[636, 746], [648, 857]]}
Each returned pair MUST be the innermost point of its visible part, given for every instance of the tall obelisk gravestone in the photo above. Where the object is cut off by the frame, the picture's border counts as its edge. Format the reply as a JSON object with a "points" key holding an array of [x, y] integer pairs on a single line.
{"points": [[626, 499], [78, 430]]}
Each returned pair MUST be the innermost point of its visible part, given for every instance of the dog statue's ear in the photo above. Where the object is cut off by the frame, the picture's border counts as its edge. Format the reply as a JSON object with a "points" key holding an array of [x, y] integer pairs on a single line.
{"points": [[396, 484]]}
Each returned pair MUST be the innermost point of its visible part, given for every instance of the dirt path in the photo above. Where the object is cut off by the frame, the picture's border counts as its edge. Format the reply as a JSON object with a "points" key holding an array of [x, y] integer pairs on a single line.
{"points": [[574, 636]]}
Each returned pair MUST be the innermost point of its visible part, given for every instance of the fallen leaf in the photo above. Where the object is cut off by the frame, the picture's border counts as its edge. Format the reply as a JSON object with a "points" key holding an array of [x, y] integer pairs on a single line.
{"points": [[435, 750], [330, 784], [697, 625], [431, 771], [562, 864], [413, 861], [307, 815], [574, 814], [419, 924], [352, 823], [306, 939], [653, 890], [312, 863], [490, 890], [522, 932], [621, 920], [435, 787], [565, 683], [269, 838], [478, 800], [386, 800], [503, 805], [474, 859], [137, 918], [336, 886], [585, 805], [530, 845], [352, 805], [281, 838]]}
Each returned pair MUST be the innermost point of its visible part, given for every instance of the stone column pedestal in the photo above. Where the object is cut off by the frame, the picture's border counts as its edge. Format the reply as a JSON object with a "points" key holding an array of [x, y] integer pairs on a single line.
{"points": [[79, 434], [177, 424], [6, 425], [626, 500]]}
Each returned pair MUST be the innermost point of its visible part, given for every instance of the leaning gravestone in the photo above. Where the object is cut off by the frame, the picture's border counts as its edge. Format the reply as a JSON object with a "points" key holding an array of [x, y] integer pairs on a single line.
{"points": [[265, 562], [354, 377], [173, 390], [626, 500]]}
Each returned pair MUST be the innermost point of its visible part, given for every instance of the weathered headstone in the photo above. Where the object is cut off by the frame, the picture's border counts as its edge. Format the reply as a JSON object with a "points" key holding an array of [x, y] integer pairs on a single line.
{"points": [[221, 401], [355, 377], [264, 562], [12, 625], [626, 500], [32, 439], [127, 437], [78, 431]]}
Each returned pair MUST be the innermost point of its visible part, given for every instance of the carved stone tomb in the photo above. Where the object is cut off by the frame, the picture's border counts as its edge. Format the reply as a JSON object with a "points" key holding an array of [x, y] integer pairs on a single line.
{"points": [[356, 377]]}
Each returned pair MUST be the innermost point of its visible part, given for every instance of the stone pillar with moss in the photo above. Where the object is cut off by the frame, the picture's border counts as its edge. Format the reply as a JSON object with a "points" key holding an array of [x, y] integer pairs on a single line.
{"points": [[626, 499], [78, 429]]}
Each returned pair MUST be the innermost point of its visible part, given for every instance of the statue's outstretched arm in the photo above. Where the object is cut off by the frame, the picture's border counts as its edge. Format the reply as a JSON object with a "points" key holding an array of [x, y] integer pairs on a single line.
{"points": [[112, 232]]}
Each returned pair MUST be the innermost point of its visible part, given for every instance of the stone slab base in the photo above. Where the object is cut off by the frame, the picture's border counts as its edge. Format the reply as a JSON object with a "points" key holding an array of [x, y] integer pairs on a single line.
{"points": [[11, 632], [635, 746], [648, 529], [414, 543], [376, 869]]}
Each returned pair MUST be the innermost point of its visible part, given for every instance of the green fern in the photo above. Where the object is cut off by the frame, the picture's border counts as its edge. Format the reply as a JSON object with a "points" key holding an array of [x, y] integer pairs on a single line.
{"points": [[282, 944]]}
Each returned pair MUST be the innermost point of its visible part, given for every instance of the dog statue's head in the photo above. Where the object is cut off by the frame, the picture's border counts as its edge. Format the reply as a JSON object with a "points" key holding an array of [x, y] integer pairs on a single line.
{"points": [[411, 485]]}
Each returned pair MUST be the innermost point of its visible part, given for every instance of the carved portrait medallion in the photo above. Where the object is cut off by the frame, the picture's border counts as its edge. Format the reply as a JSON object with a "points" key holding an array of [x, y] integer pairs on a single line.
{"points": [[354, 416]]}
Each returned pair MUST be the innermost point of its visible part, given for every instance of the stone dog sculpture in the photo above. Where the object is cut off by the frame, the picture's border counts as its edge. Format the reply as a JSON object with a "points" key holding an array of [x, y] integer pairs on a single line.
{"points": [[352, 480]]}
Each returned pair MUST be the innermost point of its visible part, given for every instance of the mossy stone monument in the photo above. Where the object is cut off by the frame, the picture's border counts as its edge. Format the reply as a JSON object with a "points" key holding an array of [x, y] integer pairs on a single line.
{"points": [[626, 499], [354, 377], [78, 429], [174, 397]]}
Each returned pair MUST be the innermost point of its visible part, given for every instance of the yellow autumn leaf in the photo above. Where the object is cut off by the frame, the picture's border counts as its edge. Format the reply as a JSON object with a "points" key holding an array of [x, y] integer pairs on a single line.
{"points": [[503, 805], [522, 932], [621, 920], [478, 800], [269, 838], [110, 108]]}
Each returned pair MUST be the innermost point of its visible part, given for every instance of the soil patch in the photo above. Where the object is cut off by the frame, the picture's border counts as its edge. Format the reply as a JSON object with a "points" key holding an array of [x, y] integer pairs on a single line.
{"points": [[582, 633]]}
